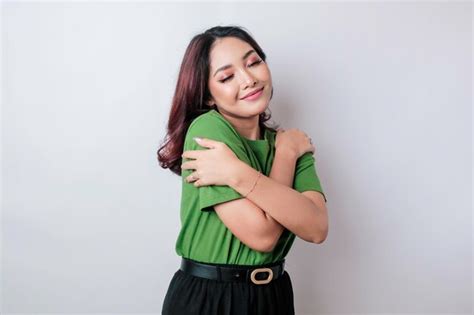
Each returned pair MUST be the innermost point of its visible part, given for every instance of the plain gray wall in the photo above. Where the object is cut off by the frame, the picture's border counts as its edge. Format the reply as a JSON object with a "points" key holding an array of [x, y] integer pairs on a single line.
{"points": [[90, 220]]}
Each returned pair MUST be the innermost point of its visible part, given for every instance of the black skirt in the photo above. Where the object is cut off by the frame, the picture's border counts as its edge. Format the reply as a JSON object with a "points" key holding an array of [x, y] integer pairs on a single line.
{"points": [[191, 295]]}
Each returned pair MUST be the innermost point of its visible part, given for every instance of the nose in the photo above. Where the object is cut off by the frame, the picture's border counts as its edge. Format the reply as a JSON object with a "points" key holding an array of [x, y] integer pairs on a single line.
{"points": [[248, 79]]}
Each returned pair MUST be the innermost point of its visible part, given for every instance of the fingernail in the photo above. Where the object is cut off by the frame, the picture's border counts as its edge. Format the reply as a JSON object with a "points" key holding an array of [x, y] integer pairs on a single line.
{"points": [[197, 139]]}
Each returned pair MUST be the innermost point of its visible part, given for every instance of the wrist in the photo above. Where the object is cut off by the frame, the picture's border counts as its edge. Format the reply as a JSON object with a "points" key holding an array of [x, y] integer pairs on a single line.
{"points": [[235, 170], [242, 178]]}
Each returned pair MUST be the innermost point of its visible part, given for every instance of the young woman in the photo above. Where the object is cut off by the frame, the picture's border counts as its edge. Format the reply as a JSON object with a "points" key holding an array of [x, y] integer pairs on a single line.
{"points": [[247, 189]]}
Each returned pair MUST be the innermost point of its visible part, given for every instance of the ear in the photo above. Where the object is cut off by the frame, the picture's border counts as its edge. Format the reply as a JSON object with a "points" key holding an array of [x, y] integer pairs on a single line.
{"points": [[210, 102]]}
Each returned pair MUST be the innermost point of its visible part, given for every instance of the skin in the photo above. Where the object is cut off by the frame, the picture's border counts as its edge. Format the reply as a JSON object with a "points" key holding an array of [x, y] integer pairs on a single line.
{"points": [[243, 77], [304, 214], [258, 219]]}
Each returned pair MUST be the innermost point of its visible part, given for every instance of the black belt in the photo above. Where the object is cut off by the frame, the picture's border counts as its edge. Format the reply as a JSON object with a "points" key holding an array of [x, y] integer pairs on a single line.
{"points": [[239, 273]]}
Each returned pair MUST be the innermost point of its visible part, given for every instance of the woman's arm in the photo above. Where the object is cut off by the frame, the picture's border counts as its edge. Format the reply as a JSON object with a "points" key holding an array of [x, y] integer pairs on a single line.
{"points": [[258, 229], [290, 208], [283, 171]]}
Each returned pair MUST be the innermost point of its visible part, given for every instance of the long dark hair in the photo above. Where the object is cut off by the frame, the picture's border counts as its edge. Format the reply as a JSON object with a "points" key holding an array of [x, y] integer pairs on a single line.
{"points": [[192, 92]]}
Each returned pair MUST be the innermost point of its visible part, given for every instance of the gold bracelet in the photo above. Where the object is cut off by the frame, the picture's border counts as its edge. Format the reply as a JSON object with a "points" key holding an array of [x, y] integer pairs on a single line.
{"points": [[258, 176]]}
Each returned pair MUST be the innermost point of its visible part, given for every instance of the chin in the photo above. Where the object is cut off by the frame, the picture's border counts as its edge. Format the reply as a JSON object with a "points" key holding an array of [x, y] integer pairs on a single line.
{"points": [[255, 111]]}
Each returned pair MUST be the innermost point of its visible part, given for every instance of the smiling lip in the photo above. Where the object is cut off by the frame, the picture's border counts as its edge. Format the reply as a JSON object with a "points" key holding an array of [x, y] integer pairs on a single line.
{"points": [[253, 95]]}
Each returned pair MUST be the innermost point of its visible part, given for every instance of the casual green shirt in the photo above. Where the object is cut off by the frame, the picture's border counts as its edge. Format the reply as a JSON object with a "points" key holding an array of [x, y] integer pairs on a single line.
{"points": [[203, 236]]}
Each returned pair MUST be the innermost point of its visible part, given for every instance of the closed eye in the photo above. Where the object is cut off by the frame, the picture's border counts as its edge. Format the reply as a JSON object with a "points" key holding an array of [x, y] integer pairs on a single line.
{"points": [[229, 77]]}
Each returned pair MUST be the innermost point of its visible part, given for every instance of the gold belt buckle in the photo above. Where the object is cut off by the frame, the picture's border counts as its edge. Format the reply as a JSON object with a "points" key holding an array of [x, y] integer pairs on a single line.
{"points": [[255, 271]]}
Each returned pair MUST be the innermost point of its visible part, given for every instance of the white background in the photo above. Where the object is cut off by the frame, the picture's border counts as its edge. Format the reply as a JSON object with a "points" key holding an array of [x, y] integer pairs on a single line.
{"points": [[384, 89]]}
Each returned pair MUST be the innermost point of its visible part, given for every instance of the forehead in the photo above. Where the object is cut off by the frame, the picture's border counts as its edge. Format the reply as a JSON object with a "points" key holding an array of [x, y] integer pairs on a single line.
{"points": [[227, 50]]}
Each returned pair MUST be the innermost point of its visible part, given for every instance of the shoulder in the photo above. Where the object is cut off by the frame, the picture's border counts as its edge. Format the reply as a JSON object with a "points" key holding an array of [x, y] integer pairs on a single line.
{"points": [[306, 158], [209, 121], [271, 133], [213, 126]]}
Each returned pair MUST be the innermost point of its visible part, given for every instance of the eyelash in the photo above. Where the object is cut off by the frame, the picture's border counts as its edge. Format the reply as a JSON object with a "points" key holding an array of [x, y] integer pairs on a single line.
{"points": [[254, 63]]}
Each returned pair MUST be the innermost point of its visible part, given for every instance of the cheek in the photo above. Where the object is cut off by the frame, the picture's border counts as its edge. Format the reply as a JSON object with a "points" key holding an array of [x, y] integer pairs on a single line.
{"points": [[266, 75], [229, 90], [262, 74], [224, 91]]}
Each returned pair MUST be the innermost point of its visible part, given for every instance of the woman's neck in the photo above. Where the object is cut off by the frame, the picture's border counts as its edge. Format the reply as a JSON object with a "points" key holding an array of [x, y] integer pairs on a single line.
{"points": [[246, 127]]}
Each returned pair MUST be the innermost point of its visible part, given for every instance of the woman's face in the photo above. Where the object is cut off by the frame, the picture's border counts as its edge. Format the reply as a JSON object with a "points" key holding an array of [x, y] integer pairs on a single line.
{"points": [[236, 70]]}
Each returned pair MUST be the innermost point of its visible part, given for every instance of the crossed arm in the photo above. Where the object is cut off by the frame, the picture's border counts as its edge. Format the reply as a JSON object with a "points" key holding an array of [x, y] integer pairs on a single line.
{"points": [[273, 205]]}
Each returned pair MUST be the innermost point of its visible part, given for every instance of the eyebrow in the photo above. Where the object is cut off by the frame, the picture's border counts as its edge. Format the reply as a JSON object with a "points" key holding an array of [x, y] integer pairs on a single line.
{"points": [[228, 66]]}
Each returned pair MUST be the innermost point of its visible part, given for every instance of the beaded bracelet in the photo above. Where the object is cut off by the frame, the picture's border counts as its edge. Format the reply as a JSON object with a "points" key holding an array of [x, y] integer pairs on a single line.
{"points": [[258, 176]]}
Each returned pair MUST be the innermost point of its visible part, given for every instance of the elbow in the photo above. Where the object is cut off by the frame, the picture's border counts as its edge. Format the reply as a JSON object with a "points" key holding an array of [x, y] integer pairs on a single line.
{"points": [[321, 236], [263, 245], [319, 240], [270, 239], [321, 231], [267, 245]]}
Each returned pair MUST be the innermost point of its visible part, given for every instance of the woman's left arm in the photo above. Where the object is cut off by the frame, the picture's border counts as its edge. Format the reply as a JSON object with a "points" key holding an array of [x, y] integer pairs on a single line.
{"points": [[295, 211]]}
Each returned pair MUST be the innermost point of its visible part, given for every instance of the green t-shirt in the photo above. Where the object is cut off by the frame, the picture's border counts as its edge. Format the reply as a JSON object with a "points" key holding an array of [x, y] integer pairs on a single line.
{"points": [[203, 236]]}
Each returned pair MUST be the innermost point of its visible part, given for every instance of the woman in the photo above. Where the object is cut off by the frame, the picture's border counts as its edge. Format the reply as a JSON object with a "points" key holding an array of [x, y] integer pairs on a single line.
{"points": [[247, 189]]}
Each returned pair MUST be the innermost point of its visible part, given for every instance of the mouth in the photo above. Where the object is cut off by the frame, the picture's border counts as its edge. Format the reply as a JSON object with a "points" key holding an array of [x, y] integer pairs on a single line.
{"points": [[253, 95]]}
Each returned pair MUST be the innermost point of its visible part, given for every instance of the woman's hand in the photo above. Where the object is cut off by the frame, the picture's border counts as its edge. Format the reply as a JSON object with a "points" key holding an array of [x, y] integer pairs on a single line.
{"points": [[211, 167], [293, 141]]}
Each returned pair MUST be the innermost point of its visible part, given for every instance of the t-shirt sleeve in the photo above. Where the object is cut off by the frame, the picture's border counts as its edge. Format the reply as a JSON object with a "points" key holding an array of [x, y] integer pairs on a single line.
{"points": [[214, 128], [306, 177]]}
